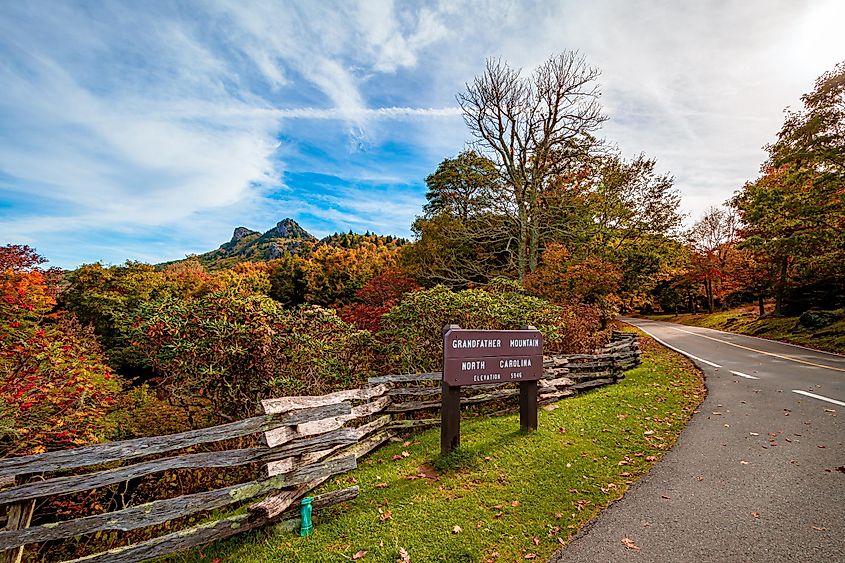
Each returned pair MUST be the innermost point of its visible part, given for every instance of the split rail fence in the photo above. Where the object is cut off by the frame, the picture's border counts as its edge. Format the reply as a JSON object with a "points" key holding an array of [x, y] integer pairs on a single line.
{"points": [[304, 441]]}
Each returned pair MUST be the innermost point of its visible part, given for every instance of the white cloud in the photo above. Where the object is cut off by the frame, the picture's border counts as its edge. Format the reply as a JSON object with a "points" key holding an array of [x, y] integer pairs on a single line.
{"points": [[160, 117]]}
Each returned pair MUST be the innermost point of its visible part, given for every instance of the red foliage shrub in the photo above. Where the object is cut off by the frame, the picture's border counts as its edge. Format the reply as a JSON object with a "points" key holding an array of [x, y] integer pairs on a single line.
{"points": [[377, 298]]}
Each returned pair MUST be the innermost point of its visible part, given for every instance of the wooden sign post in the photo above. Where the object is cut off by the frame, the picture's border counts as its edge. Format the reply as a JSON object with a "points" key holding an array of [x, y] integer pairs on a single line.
{"points": [[481, 357]]}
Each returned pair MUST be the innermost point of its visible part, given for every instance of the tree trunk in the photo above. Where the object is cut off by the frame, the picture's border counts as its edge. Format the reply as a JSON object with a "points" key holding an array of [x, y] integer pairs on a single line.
{"points": [[522, 258], [760, 304], [708, 287], [781, 289], [534, 228]]}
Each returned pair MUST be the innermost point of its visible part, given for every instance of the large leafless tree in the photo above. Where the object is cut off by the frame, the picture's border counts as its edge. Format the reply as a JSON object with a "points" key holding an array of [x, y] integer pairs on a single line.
{"points": [[531, 126]]}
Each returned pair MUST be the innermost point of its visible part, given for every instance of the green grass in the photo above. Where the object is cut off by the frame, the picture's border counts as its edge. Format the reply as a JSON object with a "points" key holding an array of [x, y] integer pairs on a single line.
{"points": [[745, 320], [512, 494]]}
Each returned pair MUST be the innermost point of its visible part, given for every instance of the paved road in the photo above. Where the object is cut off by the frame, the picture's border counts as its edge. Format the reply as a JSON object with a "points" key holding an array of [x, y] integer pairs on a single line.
{"points": [[759, 473]]}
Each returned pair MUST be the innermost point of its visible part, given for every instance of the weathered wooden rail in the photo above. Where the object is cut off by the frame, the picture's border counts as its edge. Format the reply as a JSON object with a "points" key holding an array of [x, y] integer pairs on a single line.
{"points": [[304, 441]]}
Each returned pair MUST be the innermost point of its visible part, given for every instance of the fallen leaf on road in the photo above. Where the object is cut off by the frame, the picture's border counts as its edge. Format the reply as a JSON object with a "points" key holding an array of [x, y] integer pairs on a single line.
{"points": [[665, 497], [821, 446], [819, 529], [629, 543], [743, 462], [841, 468], [829, 410], [359, 555], [755, 514]]}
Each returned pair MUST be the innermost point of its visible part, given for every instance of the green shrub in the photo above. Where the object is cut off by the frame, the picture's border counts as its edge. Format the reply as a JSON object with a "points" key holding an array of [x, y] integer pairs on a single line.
{"points": [[224, 351], [413, 330]]}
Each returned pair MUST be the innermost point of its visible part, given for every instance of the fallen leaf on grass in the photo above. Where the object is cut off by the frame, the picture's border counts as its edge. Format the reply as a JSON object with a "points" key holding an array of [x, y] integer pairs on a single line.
{"points": [[359, 555], [406, 454], [385, 516], [403, 556], [530, 556], [457, 530], [648, 433], [651, 458], [626, 474], [380, 485], [515, 503], [536, 540], [406, 443], [629, 543], [396, 457]]}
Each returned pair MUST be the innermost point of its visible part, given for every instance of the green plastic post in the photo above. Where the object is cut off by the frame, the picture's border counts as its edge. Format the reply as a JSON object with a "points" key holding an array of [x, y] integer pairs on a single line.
{"points": [[306, 525]]}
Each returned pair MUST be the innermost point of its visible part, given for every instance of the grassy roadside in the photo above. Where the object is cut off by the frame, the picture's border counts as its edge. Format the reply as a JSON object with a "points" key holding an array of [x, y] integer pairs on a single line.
{"points": [[745, 320], [506, 496]]}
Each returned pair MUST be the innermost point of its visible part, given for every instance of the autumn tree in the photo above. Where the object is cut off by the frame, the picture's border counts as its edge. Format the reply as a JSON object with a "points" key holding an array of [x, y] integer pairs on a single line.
{"points": [[794, 214], [55, 389], [530, 127], [466, 233], [712, 239]]}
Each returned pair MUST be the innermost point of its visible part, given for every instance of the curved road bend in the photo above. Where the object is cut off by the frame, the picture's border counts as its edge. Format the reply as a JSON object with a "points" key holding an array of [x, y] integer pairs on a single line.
{"points": [[759, 473]]}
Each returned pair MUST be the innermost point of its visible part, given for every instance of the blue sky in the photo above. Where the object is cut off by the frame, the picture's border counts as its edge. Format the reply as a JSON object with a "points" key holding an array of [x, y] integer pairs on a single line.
{"points": [[149, 130]]}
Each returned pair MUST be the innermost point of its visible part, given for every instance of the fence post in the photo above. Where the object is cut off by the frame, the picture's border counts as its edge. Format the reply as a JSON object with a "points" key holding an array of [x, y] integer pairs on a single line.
{"points": [[18, 517]]}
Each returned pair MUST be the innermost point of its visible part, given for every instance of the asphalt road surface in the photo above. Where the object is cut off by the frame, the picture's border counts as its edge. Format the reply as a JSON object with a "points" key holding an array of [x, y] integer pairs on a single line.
{"points": [[759, 473]]}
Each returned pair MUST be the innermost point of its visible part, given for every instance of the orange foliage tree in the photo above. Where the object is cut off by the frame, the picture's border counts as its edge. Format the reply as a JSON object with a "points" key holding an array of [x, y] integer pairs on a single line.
{"points": [[55, 390]]}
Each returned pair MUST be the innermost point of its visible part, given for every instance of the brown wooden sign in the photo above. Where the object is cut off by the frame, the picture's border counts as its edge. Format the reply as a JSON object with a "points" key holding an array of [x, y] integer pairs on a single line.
{"points": [[476, 357]]}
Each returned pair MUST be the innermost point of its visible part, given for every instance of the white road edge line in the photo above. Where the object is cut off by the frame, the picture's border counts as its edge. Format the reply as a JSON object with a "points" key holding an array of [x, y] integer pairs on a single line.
{"points": [[679, 351], [757, 350], [745, 375], [819, 397]]}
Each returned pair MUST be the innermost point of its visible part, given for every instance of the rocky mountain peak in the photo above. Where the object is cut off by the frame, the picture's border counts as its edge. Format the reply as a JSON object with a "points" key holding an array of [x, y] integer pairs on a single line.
{"points": [[288, 228], [242, 232]]}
